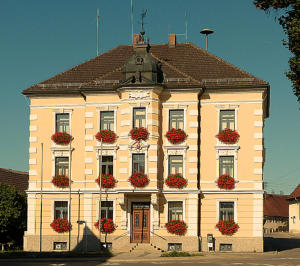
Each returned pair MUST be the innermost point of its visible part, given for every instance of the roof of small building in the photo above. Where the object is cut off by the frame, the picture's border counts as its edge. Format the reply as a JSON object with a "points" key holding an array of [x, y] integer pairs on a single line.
{"points": [[184, 65], [276, 205], [15, 178], [295, 193]]}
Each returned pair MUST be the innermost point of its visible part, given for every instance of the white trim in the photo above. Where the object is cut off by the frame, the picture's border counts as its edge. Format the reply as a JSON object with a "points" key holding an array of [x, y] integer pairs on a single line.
{"points": [[52, 212], [32, 139], [88, 171], [258, 135], [89, 148], [258, 112], [32, 150], [258, 159], [107, 150], [62, 110], [107, 108], [169, 106], [114, 208], [32, 172], [194, 112], [88, 160], [33, 128], [234, 200], [258, 147], [193, 124], [183, 208], [232, 102], [33, 117], [258, 123], [32, 161], [57, 106], [229, 151], [258, 171], [89, 137]]}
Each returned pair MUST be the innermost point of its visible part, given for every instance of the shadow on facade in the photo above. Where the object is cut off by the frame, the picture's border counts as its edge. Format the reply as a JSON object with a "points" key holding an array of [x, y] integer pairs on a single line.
{"points": [[280, 244]]}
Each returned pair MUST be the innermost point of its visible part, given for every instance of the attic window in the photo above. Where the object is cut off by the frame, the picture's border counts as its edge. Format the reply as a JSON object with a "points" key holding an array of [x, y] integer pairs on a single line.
{"points": [[139, 60]]}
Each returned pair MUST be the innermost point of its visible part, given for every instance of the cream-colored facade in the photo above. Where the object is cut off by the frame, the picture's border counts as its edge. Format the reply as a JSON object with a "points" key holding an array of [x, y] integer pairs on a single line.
{"points": [[201, 152], [294, 212]]}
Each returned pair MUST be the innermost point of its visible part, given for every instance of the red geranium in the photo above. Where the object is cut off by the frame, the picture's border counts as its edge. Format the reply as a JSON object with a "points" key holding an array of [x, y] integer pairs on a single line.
{"points": [[61, 181], [228, 136], [176, 227], [108, 181], [139, 180], [227, 227], [106, 135], [61, 225], [226, 181], [107, 225], [176, 135], [62, 138], [176, 181], [139, 133]]}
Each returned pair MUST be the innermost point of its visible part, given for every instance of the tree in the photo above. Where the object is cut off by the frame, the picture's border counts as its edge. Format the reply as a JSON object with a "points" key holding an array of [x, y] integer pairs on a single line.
{"points": [[290, 22], [13, 214]]}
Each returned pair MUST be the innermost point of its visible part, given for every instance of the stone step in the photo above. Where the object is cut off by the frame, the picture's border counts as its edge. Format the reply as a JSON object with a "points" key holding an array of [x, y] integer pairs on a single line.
{"points": [[146, 247]]}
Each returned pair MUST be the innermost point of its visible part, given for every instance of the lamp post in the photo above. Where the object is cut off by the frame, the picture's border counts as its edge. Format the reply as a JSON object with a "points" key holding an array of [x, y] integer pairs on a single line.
{"points": [[100, 192]]}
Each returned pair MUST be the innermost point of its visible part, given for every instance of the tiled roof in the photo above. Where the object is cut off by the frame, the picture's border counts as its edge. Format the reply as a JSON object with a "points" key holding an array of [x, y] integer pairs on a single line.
{"points": [[185, 64], [276, 205], [295, 193], [17, 179]]}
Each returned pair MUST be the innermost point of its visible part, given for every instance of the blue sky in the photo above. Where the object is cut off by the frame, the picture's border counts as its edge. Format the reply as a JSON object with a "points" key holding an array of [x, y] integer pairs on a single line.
{"points": [[42, 38]]}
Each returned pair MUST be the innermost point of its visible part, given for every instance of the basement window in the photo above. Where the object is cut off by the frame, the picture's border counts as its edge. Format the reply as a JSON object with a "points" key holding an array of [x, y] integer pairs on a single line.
{"points": [[60, 245], [225, 247], [174, 247]]}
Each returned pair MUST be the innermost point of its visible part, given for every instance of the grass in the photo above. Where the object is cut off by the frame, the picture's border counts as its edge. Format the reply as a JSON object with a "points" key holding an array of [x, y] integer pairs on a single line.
{"points": [[180, 254], [13, 254]]}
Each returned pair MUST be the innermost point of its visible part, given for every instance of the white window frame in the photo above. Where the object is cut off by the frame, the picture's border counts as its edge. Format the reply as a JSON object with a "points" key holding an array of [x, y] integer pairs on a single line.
{"points": [[53, 207], [62, 111], [181, 150], [172, 106], [183, 208], [111, 109], [114, 208], [227, 152], [107, 151], [140, 105], [184, 117], [234, 208]]}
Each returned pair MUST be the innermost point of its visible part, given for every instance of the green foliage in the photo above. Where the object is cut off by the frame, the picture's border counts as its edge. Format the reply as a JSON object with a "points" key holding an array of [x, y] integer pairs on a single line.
{"points": [[180, 254], [13, 213], [290, 22]]}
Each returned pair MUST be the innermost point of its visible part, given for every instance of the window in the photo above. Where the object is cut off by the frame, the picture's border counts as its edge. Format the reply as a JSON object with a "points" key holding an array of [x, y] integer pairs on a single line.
{"points": [[226, 165], [176, 118], [226, 211], [175, 164], [62, 123], [174, 247], [139, 117], [225, 247], [227, 119], [107, 165], [59, 245], [138, 163], [107, 209], [107, 120], [60, 209], [62, 166], [175, 210]]}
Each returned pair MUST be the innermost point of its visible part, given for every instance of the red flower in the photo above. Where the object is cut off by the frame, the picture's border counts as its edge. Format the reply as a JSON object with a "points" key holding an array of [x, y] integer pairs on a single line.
{"points": [[176, 181], [62, 138], [61, 225], [176, 135], [107, 225], [228, 136], [139, 133], [226, 181], [108, 181], [176, 227], [107, 136], [61, 181], [139, 180], [227, 227]]}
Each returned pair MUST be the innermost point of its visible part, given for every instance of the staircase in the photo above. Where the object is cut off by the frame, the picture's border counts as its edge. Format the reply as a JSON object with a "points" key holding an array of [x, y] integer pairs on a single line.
{"points": [[145, 247]]}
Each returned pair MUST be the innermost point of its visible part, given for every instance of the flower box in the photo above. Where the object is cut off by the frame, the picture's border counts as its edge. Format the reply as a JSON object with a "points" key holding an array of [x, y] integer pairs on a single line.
{"points": [[139, 133], [61, 138], [61, 225], [107, 225], [106, 135], [61, 181], [176, 227], [226, 182], [176, 181], [228, 136], [176, 135], [108, 181], [227, 227], [139, 180]]}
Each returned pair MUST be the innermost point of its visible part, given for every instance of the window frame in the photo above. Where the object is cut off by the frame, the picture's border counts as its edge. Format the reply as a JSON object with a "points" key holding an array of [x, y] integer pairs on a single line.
{"points": [[235, 213], [132, 162], [223, 202], [62, 111], [169, 163], [55, 165], [233, 164], [53, 208], [220, 118], [107, 164], [183, 119], [133, 116], [168, 210], [113, 116], [113, 208]]}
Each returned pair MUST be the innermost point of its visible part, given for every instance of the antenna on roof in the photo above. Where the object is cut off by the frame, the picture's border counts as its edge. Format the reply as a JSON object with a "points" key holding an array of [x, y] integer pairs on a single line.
{"points": [[186, 28], [98, 50], [131, 20], [206, 32]]}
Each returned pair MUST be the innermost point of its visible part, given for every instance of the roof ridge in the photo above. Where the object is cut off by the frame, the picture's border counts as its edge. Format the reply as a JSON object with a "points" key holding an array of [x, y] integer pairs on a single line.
{"points": [[174, 68], [74, 67], [223, 61], [13, 171]]}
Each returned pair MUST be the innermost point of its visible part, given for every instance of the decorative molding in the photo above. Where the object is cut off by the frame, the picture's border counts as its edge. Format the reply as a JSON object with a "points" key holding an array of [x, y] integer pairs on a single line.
{"points": [[139, 94], [153, 122], [32, 139], [33, 117], [32, 128], [32, 150]]}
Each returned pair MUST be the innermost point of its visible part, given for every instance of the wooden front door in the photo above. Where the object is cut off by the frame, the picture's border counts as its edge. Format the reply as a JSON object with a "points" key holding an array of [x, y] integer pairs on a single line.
{"points": [[140, 226]]}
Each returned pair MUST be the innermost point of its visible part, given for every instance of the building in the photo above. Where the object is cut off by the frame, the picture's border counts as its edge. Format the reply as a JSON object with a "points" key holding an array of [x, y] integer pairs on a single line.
{"points": [[159, 87], [294, 210], [276, 213], [17, 179]]}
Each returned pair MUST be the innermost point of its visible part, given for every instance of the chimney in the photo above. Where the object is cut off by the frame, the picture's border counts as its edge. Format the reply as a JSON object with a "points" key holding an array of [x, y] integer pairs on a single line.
{"points": [[172, 40], [136, 39]]}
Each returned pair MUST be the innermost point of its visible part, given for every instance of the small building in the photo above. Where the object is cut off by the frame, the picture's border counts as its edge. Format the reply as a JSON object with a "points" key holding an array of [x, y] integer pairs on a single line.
{"points": [[294, 210], [15, 178], [276, 213]]}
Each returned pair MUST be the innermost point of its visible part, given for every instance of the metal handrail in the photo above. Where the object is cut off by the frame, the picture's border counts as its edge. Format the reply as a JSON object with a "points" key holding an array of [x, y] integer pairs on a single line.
{"points": [[126, 233], [158, 235]]}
